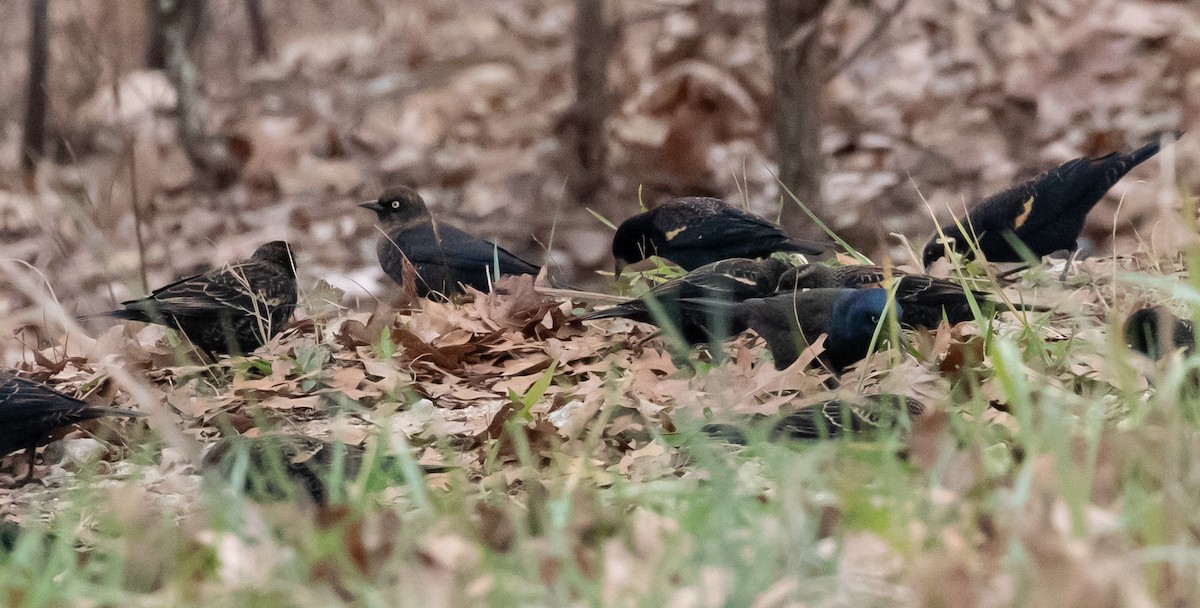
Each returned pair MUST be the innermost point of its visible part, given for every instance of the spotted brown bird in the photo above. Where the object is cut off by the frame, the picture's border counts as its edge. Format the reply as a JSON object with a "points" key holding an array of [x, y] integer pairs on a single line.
{"points": [[686, 302], [1045, 213], [1144, 332], [31, 413], [230, 310], [692, 232], [444, 257], [926, 300]]}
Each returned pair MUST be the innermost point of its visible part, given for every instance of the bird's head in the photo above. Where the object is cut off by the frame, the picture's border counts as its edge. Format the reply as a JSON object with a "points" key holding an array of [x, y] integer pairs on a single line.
{"points": [[278, 253], [399, 206], [939, 244], [632, 241], [857, 313]]}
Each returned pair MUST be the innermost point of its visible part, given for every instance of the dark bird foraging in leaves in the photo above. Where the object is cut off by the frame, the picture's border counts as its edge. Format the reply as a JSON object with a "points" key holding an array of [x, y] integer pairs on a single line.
{"points": [[280, 467], [1144, 332], [444, 256], [926, 300], [1045, 213], [692, 232], [30, 413], [789, 322], [686, 302], [865, 417], [230, 310]]}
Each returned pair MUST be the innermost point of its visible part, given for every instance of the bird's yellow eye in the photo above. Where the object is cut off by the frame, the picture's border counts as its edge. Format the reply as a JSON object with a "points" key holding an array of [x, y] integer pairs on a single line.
{"points": [[395, 204]]}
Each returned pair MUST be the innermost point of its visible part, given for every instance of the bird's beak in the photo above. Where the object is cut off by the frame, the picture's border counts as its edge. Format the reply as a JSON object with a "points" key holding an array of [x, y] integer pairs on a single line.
{"points": [[372, 205], [620, 267]]}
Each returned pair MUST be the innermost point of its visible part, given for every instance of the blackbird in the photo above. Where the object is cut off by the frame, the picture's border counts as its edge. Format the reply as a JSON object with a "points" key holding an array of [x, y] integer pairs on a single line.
{"points": [[1143, 332], [1045, 213], [692, 232], [30, 413], [444, 256], [285, 466], [789, 322], [925, 299], [684, 301], [863, 417], [230, 310]]}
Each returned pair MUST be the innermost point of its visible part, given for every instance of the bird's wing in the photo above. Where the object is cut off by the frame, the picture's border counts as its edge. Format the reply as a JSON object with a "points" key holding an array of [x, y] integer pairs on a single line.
{"points": [[1057, 188], [22, 399], [457, 249], [934, 290], [863, 276], [715, 227], [233, 288], [17, 391], [1008, 209]]}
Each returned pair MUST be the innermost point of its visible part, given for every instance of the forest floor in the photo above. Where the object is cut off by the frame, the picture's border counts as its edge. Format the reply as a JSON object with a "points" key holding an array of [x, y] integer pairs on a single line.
{"points": [[1052, 466]]}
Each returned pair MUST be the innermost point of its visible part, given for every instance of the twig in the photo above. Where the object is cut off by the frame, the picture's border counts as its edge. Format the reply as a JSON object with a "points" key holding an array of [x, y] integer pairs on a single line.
{"points": [[883, 19], [135, 201]]}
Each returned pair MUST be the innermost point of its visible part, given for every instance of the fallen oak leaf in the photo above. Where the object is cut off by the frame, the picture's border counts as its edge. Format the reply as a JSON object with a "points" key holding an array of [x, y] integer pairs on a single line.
{"points": [[448, 358]]}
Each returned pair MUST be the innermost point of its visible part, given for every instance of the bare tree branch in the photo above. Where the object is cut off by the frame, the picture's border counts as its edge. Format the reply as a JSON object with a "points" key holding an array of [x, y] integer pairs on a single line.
{"points": [[883, 18], [33, 141]]}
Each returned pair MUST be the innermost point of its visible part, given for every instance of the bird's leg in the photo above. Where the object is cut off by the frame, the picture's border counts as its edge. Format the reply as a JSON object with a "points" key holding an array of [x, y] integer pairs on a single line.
{"points": [[1008, 274], [31, 454], [212, 358], [832, 383], [1071, 259]]}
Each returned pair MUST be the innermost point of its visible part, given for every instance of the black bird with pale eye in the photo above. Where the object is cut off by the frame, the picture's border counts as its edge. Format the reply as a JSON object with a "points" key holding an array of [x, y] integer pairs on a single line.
{"points": [[444, 257], [31, 413], [230, 310], [1045, 213], [1144, 333], [790, 322], [926, 300], [692, 232], [686, 301], [279, 466]]}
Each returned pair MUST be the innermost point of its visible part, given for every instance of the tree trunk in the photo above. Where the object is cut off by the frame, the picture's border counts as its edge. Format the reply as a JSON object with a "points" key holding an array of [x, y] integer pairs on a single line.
{"points": [[586, 133], [176, 21], [211, 156], [33, 141], [258, 30], [155, 57], [794, 41]]}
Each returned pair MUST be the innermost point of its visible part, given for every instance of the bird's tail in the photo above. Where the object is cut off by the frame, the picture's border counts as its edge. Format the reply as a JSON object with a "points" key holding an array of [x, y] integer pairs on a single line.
{"points": [[1147, 151], [620, 310], [113, 411], [120, 313], [737, 313]]}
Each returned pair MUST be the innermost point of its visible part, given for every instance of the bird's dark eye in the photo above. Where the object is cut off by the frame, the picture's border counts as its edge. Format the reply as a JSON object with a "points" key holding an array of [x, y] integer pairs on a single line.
{"points": [[395, 204], [874, 319]]}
